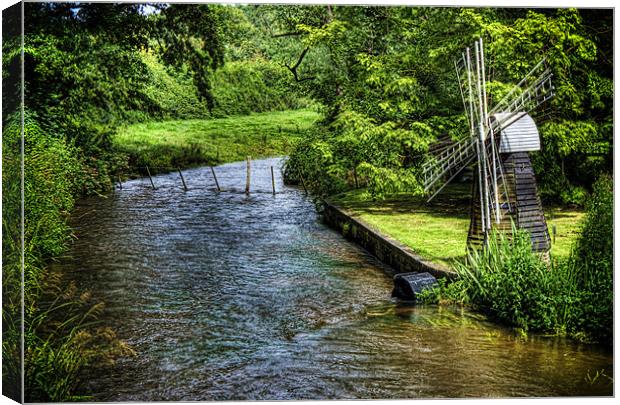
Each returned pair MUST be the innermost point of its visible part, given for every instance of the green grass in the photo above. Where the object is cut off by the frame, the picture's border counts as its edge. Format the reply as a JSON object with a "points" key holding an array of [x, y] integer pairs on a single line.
{"points": [[437, 231], [183, 143]]}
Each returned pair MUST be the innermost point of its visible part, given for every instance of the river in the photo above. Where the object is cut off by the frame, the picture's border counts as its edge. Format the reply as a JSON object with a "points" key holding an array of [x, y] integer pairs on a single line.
{"points": [[228, 296]]}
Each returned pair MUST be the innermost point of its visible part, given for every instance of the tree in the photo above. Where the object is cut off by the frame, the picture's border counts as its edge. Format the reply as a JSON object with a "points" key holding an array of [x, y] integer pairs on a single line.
{"points": [[395, 65]]}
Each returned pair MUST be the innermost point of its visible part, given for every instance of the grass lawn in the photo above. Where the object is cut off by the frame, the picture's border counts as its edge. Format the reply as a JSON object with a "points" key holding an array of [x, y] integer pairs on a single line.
{"points": [[437, 231], [167, 144]]}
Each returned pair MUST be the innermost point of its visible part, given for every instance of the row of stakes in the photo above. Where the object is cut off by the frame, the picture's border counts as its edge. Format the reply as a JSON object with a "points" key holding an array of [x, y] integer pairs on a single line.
{"points": [[217, 184]]}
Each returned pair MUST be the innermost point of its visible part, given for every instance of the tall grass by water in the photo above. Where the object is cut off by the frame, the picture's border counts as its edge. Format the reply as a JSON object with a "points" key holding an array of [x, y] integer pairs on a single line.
{"points": [[60, 334], [516, 286]]}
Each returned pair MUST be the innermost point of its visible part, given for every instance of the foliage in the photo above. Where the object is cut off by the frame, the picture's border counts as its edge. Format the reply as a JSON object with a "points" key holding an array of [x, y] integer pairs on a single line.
{"points": [[254, 86], [239, 88], [189, 36], [172, 92], [355, 150], [593, 259], [395, 65], [55, 315]]}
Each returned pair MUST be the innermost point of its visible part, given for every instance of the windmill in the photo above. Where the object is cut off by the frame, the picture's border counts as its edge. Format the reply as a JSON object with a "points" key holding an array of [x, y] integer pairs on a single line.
{"points": [[499, 140]]}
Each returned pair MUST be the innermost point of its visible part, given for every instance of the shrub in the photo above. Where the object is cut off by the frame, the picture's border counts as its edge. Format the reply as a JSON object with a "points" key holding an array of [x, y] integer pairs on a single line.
{"points": [[354, 150], [593, 263], [244, 87], [172, 91]]}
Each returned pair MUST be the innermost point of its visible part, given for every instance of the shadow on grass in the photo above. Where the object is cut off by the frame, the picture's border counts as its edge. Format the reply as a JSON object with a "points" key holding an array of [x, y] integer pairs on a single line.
{"points": [[453, 201]]}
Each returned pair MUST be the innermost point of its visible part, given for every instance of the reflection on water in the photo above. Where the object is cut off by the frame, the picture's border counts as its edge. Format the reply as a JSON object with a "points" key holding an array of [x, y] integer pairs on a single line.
{"points": [[228, 296]]}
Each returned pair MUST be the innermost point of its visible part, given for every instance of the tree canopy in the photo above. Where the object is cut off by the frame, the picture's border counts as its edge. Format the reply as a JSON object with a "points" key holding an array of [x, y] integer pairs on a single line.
{"points": [[391, 69]]}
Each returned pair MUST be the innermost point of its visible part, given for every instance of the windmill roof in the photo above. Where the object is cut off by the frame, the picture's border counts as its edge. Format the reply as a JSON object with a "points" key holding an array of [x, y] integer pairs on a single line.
{"points": [[518, 132]]}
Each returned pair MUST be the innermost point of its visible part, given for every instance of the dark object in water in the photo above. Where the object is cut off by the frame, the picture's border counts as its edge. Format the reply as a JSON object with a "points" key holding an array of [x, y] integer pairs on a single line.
{"points": [[408, 285]]}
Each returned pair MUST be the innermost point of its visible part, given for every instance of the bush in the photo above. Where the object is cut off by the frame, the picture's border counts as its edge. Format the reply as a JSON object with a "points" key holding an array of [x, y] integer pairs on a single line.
{"points": [[173, 92], [355, 151], [593, 262]]}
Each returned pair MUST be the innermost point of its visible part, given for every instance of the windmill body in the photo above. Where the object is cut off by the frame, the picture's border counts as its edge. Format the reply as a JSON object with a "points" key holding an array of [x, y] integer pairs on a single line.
{"points": [[500, 140]]}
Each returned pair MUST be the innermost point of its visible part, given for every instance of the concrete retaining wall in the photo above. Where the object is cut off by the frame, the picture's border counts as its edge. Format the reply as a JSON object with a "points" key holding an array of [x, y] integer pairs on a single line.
{"points": [[389, 251]]}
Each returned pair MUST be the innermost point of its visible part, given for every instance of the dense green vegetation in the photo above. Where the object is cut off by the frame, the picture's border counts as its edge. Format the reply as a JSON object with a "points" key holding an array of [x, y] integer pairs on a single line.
{"points": [[60, 336], [386, 77], [573, 296], [112, 87], [166, 145]]}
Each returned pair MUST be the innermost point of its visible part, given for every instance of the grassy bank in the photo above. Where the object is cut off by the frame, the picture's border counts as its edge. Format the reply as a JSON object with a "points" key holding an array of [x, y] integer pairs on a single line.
{"points": [[437, 231], [184, 143]]}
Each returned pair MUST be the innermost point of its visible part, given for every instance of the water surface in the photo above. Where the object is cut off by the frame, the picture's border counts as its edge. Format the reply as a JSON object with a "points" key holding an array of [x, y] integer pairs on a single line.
{"points": [[228, 296]]}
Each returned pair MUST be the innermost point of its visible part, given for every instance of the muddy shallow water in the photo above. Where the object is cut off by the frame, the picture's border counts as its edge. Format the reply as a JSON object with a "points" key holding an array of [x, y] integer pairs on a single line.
{"points": [[228, 296]]}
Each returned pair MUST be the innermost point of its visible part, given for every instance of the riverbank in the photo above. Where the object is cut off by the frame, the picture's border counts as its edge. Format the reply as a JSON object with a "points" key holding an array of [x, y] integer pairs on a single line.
{"points": [[166, 145], [437, 231], [390, 251]]}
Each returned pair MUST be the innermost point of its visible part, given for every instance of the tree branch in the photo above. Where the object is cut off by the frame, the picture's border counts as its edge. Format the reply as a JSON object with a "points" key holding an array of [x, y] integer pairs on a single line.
{"points": [[293, 68]]}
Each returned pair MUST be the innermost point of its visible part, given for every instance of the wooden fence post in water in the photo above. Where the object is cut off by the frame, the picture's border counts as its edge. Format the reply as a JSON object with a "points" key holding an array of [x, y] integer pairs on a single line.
{"points": [[150, 178], [182, 179], [247, 176], [215, 178], [303, 183], [273, 182]]}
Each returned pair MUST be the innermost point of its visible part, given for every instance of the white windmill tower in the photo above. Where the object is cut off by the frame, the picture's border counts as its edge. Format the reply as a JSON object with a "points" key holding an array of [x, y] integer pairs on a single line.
{"points": [[500, 139]]}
